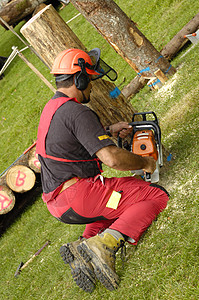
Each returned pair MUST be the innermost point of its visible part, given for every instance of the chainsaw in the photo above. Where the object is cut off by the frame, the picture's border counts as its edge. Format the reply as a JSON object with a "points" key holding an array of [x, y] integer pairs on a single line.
{"points": [[145, 141]]}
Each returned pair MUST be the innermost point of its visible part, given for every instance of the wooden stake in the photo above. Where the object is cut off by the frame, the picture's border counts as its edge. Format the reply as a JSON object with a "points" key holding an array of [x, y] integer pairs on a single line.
{"points": [[30, 65]]}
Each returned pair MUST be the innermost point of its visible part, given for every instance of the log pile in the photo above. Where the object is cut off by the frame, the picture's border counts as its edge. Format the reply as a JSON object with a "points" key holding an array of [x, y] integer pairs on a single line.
{"points": [[20, 178]]}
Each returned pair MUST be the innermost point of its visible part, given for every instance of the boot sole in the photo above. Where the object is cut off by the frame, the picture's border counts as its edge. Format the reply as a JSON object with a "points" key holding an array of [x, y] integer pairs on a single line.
{"points": [[102, 271], [81, 273]]}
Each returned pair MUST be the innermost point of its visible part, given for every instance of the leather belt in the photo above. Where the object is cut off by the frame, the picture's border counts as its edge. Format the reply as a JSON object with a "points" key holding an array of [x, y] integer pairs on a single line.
{"points": [[68, 183]]}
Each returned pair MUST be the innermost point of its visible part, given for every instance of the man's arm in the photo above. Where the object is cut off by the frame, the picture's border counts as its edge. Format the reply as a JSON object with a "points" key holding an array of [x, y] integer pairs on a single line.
{"points": [[124, 160]]}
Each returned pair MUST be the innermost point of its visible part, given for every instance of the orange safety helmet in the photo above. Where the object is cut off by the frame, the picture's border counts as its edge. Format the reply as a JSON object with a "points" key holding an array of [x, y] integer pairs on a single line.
{"points": [[67, 62]]}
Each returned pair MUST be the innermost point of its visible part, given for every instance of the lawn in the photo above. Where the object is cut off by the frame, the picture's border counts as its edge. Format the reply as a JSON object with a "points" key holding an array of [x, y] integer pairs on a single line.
{"points": [[164, 264]]}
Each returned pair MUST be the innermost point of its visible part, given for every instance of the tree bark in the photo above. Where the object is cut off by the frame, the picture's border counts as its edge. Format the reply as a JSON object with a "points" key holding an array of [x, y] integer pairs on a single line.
{"points": [[48, 34], [136, 84], [16, 10], [7, 199], [3, 3], [20, 178], [123, 35], [178, 41]]}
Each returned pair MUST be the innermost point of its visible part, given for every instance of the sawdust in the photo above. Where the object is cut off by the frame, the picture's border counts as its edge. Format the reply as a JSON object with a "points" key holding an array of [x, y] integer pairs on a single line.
{"points": [[180, 109], [167, 89]]}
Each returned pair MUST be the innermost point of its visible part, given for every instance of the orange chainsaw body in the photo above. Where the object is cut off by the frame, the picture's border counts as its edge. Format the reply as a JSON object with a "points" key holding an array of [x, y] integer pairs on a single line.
{"points": [[144, 144]]}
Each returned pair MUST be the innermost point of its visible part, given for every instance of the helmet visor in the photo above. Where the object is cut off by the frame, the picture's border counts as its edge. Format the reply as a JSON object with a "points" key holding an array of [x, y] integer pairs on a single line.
{"points": [[100, 66]]}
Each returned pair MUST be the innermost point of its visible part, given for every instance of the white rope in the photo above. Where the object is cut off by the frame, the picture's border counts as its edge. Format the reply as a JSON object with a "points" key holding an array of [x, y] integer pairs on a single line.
{"points": [[11, 57], [73, 18]]}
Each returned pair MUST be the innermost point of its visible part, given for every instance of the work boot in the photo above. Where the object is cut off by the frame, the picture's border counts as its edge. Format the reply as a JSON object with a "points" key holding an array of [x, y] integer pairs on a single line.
{"points": [[81, 271], [100, 251]]}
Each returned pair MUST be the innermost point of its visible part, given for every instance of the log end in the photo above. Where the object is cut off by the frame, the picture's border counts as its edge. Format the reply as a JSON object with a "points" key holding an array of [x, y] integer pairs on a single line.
{"points": [[20, 179], [7, 200], [33, 161]]}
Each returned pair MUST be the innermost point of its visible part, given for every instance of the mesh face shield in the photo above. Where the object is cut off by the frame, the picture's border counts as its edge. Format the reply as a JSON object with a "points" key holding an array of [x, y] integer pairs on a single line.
{"points": [[100, 66]]}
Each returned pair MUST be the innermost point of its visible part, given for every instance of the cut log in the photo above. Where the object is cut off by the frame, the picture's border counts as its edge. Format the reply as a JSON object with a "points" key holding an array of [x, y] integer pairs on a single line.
{"points": [[178, 41], [134, 86], [7, 200], [161, 76], [20, 178], [33, 161], [48, 34], [22, 201], [38, 8], [16, 10], [123, 35]]}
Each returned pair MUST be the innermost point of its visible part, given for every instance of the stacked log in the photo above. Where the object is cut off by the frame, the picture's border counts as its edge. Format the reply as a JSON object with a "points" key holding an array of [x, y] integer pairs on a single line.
{"points": [[20, 179], [7, 199]]}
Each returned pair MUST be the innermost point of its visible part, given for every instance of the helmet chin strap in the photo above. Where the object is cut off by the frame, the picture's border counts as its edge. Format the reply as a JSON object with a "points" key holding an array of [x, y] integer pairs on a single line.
{"points": [[84, 98]]}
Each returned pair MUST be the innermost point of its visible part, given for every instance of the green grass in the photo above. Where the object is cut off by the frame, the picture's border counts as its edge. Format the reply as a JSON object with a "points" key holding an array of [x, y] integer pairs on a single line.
{"points": [[164, 264]]}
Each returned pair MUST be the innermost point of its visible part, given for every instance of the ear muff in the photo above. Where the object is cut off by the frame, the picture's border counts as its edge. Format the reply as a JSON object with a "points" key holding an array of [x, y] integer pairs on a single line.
{"points": [[81, 78]]}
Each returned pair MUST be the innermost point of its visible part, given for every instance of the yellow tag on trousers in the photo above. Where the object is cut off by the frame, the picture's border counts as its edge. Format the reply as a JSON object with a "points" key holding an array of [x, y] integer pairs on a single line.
{"points": [[114, 199]]}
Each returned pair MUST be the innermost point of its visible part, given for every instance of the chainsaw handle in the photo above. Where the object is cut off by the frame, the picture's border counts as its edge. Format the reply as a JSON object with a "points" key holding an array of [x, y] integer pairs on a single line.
{"points": [[119, 141], [148, 176], [143, 114]]}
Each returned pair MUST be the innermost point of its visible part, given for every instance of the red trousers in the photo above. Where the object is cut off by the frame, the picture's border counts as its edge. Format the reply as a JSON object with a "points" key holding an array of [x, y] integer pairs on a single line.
{"points": [[85, 203]]}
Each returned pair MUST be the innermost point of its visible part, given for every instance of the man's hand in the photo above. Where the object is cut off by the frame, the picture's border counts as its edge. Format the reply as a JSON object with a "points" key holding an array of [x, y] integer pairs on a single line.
{"points": [[123, 128], [150, 164]]}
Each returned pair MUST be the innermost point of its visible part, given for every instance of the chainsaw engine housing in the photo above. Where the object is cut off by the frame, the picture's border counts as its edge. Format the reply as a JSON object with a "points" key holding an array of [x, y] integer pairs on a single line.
{"points": [[146, 141]]}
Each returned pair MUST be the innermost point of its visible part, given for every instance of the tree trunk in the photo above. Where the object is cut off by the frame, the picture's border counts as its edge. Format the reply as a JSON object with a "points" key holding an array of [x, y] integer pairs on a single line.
{"points": [[16, 10], [48, 34], [7, 200], [20, 179], [178, 41], [134, 86], [123, 35]]}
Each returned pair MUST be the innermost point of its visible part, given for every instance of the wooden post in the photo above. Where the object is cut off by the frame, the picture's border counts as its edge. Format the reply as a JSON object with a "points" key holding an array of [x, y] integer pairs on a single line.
{"points": [[49, 35], [30, 65], [123, 35]]}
